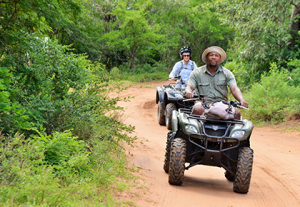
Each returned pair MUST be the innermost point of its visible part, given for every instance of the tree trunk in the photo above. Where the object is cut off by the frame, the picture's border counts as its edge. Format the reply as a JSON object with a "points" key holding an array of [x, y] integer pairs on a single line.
{"points": [[135, 46], [107, 61], [295, 26]]}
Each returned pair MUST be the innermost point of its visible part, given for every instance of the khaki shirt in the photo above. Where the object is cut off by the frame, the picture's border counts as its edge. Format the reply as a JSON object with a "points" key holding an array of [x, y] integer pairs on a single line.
{"points": [[213, 87]]}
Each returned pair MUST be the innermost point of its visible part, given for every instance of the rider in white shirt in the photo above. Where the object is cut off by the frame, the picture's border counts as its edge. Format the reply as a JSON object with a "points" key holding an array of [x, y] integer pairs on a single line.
{"points": [[184, 67]]}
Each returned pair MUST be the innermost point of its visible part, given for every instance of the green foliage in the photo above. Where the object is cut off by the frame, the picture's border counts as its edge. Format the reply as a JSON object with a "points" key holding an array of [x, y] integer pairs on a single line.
{"points": [[244, 74], [12, 114], [139, 32], [42, 74], [262, 33], [273, 99], [4, 84], [78, 176], [193, 23], [294, 64], [144, 77], [134, 34], [115, 73], [58, 147]]}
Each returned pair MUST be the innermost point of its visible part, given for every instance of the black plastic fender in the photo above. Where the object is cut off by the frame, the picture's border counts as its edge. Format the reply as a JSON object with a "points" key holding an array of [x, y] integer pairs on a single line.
{"points": [[170, 95], [160, 96]]}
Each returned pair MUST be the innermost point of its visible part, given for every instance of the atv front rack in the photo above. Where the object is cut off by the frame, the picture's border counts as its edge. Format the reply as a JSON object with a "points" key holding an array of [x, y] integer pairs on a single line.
{"points": [[192, 116]]}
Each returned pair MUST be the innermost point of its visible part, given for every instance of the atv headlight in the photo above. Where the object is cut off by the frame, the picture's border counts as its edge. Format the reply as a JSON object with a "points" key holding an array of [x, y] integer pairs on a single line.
{"points": [[191, 129], [238, 134]]}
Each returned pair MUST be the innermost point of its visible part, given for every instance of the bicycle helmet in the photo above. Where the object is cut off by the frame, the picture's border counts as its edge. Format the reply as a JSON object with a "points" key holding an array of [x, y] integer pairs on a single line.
{"points": [[185, 49]]}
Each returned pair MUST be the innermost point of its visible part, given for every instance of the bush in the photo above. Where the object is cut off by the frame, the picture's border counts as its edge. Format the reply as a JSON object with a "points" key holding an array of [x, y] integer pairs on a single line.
{"points": [[13, 115], [60, 170], [244, 75], [115, 74], [273, 99], [147, 77], [295, 74]]}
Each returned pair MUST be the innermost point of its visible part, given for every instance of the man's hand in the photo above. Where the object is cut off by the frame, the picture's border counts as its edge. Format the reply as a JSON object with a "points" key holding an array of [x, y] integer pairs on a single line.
{"points": [[189, 91], [171, 77], [244, 103]]}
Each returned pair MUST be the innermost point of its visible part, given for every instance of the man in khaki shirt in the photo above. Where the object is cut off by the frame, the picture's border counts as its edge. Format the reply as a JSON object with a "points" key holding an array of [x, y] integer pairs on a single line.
{"points": [[212, 80]]}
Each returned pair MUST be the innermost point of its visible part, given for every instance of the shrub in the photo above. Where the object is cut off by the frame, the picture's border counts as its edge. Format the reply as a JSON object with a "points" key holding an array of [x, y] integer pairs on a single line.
{"points": [[273, 99], [60, 170], [295, 74], [115, 74], [13, 115]]}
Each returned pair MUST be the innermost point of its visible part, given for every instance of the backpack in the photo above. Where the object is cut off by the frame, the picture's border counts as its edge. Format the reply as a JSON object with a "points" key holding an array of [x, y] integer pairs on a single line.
{"points": [[220, 110]]}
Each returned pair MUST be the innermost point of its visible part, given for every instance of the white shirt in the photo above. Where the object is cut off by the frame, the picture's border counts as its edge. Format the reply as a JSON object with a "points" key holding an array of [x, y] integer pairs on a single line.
{"points": [[186, 70]]}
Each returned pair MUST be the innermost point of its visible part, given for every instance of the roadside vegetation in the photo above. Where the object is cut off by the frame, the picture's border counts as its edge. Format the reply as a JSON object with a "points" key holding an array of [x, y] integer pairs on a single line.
{"points": [[61, 61]]}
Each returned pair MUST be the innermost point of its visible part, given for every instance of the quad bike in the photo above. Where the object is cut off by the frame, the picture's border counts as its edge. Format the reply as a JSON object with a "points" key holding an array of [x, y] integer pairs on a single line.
{"points": [[196, 140], [169, 99]]}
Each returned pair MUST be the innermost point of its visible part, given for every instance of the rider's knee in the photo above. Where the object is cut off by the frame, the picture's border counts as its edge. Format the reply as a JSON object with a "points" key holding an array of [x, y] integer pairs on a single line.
{"points": [[237, 114], [198, 109]]}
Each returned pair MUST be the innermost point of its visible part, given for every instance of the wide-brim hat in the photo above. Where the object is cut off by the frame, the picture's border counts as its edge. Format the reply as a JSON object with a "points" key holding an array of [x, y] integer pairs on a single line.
{"points": [[214, 49]]}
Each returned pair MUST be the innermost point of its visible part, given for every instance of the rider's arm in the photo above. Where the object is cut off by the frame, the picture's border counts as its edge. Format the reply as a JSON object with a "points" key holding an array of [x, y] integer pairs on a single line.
{"points": [[192, 83], [189, 91], [174, 71], [236, 92]]}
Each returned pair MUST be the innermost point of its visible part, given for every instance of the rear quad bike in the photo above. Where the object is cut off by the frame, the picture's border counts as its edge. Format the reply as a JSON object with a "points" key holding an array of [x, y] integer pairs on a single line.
{"points": [[197, 140], [169, 99]]}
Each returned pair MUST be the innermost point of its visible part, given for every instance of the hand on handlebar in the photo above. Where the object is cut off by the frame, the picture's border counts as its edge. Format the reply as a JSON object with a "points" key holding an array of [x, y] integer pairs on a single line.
{"points": [[244, 104], [171, 77], [189, 95]]}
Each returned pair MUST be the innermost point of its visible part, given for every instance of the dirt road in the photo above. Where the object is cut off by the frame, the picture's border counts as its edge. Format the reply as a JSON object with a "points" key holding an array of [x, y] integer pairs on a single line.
{"points": [[275, 177]]}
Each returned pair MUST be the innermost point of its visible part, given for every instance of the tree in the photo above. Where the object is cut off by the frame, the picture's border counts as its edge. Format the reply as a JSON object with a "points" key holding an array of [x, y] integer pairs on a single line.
{"points": [[193, 23], [265, 31], [132, 31]]}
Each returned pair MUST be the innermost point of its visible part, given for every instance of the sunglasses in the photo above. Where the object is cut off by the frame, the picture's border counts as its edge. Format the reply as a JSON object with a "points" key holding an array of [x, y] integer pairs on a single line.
{"points": [[186, 55]]}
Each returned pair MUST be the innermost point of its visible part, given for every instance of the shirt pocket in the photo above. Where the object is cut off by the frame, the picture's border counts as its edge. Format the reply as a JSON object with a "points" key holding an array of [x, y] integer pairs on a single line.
{"points": [[203, 88], [222, 86]]}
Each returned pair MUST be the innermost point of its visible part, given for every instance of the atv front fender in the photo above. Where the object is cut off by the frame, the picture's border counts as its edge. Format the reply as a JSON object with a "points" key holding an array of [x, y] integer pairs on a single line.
{"points": [[181, 120], [175, 121]]}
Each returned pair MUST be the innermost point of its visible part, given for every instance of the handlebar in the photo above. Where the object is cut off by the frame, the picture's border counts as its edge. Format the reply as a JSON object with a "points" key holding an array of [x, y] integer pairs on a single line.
{"points": [[199, 97], [204, 103], [176, 78]]}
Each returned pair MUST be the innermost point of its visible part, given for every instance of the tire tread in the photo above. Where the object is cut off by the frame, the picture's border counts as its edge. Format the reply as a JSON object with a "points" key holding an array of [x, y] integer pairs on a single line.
{"points": [[244, 170], [177, 161]]}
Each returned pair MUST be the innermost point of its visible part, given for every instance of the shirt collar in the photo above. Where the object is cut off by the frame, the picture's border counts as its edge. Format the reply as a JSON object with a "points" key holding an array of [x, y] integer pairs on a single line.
{"points": [[219, 69]]}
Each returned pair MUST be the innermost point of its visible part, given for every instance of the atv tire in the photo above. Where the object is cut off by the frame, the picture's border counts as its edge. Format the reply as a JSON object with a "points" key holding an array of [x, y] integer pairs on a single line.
{"points": [[177, 161], [244, 170], [160, 114], [169, 111], [167, 153]]}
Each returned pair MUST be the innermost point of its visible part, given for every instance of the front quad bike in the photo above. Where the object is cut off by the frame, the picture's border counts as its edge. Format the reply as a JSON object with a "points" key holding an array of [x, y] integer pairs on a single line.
{"points": [[200, 141], [169, 99]]}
